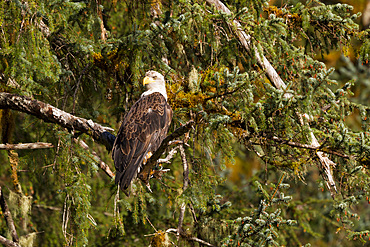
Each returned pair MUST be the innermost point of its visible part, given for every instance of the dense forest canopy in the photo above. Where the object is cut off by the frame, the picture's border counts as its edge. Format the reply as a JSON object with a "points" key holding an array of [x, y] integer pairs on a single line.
{"points": [[270, 138]]}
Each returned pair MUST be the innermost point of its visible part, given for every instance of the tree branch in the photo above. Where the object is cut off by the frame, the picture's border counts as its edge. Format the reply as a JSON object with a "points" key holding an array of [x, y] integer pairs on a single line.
{"points": [[51, 114], [103, 33], [326, 165], [169, 156], [307, 146], [276, 80], [144, 174], [189, 238], [36, 145], [8, 218], [195, 239], [100, 134], [245, 40], [324, 161], [47, 207], [159, 173], [184, 187], [8, 243]]}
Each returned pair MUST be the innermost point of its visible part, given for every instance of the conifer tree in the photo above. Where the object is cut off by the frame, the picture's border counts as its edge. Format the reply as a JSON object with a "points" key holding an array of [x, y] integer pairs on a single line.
{"points": [[269, 143]]}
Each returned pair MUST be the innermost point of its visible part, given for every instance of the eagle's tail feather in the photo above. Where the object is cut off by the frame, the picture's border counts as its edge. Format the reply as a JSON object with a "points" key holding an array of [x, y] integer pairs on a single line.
{"points": [[125, 178]]}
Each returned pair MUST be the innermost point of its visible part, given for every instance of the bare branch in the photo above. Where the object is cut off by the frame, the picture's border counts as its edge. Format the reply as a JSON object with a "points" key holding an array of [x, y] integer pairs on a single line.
{"points": [[186, 168], [195, 239], [312, 147], [103, 34], [8, 218], [36, 145], [101, 163], [189, 238], [66, 215], [151, 224], [185, 186], [47, 207], [245, 40], [51, 114], [325, 162], [169, 156], [193, 213], [159, 173]]}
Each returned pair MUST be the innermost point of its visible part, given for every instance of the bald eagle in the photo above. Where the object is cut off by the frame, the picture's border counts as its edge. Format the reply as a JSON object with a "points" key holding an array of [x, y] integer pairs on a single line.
{"points": [[142, 131]]}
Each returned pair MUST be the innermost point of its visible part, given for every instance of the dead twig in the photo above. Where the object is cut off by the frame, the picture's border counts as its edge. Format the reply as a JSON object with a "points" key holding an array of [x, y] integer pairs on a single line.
{"points": [[101, 163], [35, 145], [189, 238], [169, 156], [307, 146], [66, 215], [47, 207]]}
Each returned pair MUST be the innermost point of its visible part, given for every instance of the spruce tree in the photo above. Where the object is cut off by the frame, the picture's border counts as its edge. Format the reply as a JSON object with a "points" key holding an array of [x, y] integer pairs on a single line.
{"points": [[269, 142]]}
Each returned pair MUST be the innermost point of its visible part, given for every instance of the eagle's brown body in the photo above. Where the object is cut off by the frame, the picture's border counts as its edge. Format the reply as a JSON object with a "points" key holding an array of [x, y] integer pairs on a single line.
{"points": [[142, 131]]}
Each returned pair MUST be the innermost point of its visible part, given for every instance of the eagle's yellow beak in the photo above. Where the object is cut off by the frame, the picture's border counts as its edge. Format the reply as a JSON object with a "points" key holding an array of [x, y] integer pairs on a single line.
{"points": [[147, 80]]}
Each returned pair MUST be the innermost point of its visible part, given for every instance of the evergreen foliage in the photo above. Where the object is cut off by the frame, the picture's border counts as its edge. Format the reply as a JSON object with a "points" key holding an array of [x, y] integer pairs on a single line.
{"points": [[255, 175]]}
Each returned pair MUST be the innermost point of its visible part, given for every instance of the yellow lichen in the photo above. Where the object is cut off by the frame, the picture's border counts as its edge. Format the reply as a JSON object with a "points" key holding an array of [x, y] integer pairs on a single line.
{"points": [[160, 239], [14, 160], [109, 61], [180, 99], [292, 17]]}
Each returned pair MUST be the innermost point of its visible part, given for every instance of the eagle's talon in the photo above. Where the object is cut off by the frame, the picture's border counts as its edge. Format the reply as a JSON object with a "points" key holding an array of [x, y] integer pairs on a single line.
{"points": [[147, 157]]}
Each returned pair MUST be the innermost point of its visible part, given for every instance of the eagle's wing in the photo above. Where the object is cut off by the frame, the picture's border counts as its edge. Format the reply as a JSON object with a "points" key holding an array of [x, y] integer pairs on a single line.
{"points": [[142, 131]]}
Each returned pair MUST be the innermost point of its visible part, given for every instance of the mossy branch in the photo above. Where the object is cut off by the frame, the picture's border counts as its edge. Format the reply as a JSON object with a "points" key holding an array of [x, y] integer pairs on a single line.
{"points": [[51, 114], [9, 221]]}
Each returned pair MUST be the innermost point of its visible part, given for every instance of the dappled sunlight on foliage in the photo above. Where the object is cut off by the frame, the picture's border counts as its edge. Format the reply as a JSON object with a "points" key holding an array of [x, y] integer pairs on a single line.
{"points": [[254, 150]]}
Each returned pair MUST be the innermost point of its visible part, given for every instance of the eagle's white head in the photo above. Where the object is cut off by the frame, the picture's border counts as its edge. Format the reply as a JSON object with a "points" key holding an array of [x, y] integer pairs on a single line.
{"points": [[154, 82]]}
